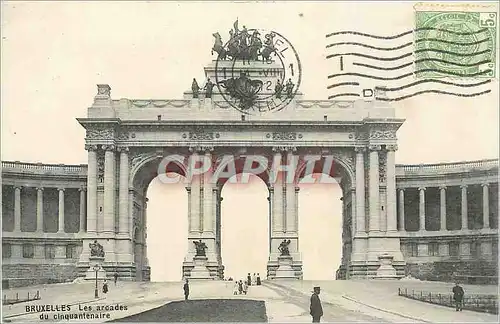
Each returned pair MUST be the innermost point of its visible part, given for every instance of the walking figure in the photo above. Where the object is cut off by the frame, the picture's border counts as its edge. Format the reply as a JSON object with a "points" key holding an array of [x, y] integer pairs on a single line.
{"points": [[258, 279], [245, 288], [240, 287], [249, 279], [458, 296], [186, 290], [116, 277], [105, 286], [236, 287], [316, 309]]}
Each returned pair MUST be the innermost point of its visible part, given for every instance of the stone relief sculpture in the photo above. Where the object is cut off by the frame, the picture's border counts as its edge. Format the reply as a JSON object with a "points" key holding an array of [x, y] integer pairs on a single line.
{"points": [[283, 248], [200, 248], [96, 249]]}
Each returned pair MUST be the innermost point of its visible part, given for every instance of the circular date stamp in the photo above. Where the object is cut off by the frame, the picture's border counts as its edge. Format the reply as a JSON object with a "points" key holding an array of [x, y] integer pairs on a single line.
{"points": [[257, 71]]}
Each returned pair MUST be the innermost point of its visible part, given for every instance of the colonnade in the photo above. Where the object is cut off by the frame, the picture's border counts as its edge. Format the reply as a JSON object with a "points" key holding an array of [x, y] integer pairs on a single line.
{"points": [[442, 207], [40, 209]]}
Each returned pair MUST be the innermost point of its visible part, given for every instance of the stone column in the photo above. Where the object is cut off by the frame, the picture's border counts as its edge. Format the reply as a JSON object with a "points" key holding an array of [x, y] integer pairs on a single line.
{"points": [[208, 215], [123, 202], [270, 205], [421, 208], [291, 208], [190, 221], [277, 219], [442, 192], [109, 189], [17, 209], [39, 209], [465, 224], [360, 190], [92, 189], [82, 209], [374, 184], [402, 226], [61, 210], [196, 209], [486, 206], [391, 188]]}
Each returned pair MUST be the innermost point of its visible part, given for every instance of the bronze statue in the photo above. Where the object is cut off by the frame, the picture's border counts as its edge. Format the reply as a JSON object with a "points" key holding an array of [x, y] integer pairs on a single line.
{"points": [[195, 88], [200, 248], [243, 46], [96, 249], [289, 88], [283, 248], [208, 87]]}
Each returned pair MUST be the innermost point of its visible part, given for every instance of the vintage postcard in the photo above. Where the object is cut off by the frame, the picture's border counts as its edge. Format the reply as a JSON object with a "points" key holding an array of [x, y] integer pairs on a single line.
{"points": [[225, 161]]}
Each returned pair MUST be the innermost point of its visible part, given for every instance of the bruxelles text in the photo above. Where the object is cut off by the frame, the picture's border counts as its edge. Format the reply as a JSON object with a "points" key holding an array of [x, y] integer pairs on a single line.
{"points": [[288, 169]]}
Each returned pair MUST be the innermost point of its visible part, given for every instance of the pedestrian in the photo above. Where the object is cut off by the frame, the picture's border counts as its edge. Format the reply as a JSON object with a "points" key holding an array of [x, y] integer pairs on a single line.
{"points": [[116, 277], [458, 296], [105, 287], [186, 290], [316, 310], [249, 279], [240, 286], [245, 288], [236, 288], [254, 279], [258, 280]]}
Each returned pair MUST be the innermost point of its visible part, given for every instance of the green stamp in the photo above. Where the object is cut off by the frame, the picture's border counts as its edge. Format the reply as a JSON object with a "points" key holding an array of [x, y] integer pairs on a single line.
{"points": [[455, 44]]}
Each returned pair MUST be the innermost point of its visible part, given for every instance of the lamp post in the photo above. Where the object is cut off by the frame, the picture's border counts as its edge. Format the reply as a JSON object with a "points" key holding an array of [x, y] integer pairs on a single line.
{"points": [[96, 291]]}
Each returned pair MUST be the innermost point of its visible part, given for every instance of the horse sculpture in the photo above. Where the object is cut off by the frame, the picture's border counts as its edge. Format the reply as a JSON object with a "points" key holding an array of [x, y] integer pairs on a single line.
{"points": [[269, 48], [219, 47]]}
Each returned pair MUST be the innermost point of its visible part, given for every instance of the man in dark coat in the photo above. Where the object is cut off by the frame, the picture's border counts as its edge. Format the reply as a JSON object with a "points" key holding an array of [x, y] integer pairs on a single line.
{"points": [[249, 279], [458, 296], [316, 309], [186, 290]]}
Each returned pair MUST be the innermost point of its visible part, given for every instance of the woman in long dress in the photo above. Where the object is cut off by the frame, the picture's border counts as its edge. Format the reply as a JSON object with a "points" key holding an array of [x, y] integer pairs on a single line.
{"points": [[236, 288], [258, 279]]}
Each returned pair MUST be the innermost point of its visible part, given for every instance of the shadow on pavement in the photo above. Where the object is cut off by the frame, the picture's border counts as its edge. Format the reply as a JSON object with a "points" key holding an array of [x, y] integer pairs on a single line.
{"points": [[204, 310]]}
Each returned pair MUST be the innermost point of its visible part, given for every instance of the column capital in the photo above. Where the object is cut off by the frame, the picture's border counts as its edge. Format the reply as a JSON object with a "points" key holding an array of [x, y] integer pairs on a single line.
{"points": [[91, 147], [374, 147], [297, 189], [108, 147], [271, 189], [39, 188], [284, 148], [123, 149], [61, 189], [360, 149], [188, 189], [19, 187], [201, 149], [422, 188], [391, 147], [442, 187], [83, 188], [463, 186], [485, 184]]}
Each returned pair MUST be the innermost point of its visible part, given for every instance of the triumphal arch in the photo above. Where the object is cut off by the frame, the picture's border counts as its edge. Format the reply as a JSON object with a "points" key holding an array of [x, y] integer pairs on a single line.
{"points": [[433, 221], [246, 106]]}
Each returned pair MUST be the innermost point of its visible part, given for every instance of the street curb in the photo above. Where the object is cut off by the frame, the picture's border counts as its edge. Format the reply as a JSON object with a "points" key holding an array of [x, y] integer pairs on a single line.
{"points": [[384, 310]]}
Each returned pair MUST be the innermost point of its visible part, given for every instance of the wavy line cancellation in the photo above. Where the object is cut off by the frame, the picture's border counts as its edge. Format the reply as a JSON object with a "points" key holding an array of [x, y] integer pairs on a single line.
{"points": [[467, 85], [418, 61], [408, 44], [343, 95], [395, 58], [409, 74], [407, 33], [434, 91]]}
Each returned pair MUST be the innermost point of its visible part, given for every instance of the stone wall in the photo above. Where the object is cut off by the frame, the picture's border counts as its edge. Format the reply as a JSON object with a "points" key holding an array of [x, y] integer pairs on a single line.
{"points": [[18, 275], [463, 271]]}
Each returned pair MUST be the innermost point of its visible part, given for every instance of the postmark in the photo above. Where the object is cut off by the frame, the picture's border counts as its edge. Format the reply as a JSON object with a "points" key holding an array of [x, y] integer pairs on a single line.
{"points": [[455, 44], [257, 71]]}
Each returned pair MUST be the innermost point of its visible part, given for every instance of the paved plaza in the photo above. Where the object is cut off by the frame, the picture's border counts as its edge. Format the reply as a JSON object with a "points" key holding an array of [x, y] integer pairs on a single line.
{"points": [[285, 301]]}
